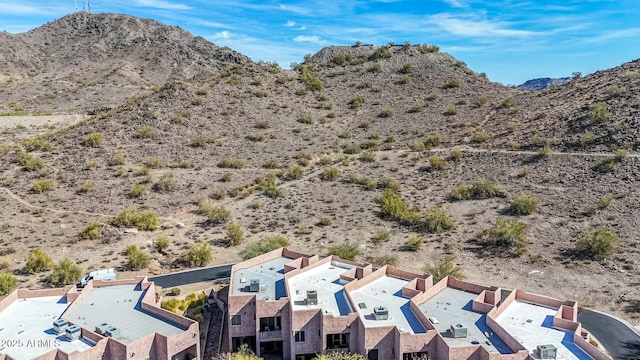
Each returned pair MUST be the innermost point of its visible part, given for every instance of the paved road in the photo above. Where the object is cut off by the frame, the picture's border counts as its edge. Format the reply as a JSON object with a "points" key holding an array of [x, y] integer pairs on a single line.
{"points": [[193, 276], [622, 342]]}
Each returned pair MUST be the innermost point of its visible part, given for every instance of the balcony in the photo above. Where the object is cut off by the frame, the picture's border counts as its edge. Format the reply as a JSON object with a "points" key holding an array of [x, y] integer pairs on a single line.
{"points": [[270, 334]]}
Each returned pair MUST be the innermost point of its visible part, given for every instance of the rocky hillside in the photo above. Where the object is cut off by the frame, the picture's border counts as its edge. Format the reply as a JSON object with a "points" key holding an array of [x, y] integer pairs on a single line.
{"points": [[86, 61], [309, 152]]}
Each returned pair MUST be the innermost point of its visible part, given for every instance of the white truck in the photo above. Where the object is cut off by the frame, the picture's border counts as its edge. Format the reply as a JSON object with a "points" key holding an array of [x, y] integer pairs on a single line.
{"points": [[102, 274]]}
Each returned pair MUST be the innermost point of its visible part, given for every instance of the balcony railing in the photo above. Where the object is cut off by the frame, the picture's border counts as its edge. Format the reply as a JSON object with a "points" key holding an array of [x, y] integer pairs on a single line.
{"points": [[270, 334]]}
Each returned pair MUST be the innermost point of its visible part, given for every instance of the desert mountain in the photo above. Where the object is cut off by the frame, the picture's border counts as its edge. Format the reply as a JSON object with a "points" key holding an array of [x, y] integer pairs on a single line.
{"points": [[542, 83], [86, 61], [309, 152]]}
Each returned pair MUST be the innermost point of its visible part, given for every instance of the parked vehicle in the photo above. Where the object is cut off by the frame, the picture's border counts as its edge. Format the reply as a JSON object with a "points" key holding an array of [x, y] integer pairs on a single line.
{"points": [[102, 274]]}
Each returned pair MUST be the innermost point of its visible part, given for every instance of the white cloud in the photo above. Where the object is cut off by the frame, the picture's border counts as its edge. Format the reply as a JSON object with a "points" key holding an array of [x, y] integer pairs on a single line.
{"points": [[476, 28], [290, 23], [202, 22], [221, 35], [23, 9], [455, 3], [302, 28], [310, 39], [614, 35], [162, 4], [294, 9]]}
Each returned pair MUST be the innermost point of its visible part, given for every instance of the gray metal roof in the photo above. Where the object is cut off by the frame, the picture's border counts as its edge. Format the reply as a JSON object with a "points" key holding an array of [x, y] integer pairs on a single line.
{"points": [[119, 306]]}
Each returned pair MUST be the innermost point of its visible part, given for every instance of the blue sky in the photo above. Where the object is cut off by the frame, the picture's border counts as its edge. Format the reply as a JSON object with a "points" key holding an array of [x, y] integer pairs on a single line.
{"points": [[511, 41]]}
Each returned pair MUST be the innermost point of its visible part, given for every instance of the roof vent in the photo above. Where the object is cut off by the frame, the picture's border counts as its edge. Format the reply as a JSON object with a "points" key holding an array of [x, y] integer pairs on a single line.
{"points": [[60, 325], [380, 313], [112, 332], [254, 285], [458, 331], [547, 351], [73, 332], [312, 297]]}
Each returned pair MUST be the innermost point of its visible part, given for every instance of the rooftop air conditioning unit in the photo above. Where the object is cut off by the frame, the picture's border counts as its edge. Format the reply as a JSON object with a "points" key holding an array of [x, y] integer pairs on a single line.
{"points": [[112, 332], [60, 325], [312, 297], [547, 351], [102, 328], [458, 331], [254, 285], [73, 332], [380, 313]]}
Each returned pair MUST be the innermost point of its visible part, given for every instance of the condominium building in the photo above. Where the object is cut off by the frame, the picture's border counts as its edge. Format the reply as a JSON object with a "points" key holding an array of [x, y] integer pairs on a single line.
{"points": [[288, 305], [119, 319]]}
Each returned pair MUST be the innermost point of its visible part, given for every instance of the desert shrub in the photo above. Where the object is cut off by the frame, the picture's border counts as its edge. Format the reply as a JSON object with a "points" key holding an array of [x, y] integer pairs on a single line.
{"points": [[599, 242], [598, 112], [325, 221], [414, 243], [485, 189], [452, 83], [92, 231], [66, 272], [481, 100], [436, 162], [386, 112], [306, 118], [42, 185], [544, 151], [162, 243], [456, 155], [311, 81], [8, 282], [92, 140], [86, 186], [262, 124], [270, 188], [382, 260], [199, 254], [601, 204], [136, 258], [437, 220], [30, 162], [357, 101], [417, 145], [141, 220], [451, 110], [215, 214], [255, 136], [351, 148], [508, 232], [146, 131], [479, 135], [344, 250], [506, 102], [153, 163], [345, 134], [137, 190], [525, 204], [383, 52], [167, 183], [272, 163], [415, 108], [367, 156], [392, 205], [330, 174], [406, 68], [263, 246], [443, 267], [380, 236], [404, 79], [38, 261], [36, 143], [389, 183], [231, 163], [621, 155], [295, 172]]}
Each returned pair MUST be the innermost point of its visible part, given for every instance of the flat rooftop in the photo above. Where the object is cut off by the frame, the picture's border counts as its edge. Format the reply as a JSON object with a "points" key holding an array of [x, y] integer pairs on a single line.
{"points": [[325, 279], [30, 323], [452, 307], [386, 291], [119, 306], [269, 273], [532, 325]]}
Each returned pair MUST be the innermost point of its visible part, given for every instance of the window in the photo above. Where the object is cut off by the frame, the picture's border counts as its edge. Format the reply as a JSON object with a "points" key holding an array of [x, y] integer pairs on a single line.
{"points": [[299, 336], [337, 341], [236, 320], [415, 356], [270, 323]]}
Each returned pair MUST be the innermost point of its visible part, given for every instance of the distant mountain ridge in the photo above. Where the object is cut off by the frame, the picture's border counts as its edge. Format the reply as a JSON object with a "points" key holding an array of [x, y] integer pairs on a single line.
{"points": [[543, 83], [79, 59]]}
